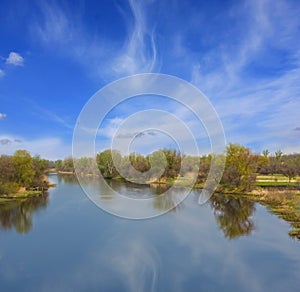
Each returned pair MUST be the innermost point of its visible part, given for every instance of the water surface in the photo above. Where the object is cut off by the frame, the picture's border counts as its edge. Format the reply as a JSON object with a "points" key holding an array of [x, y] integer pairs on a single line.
{"points": [[63, 242]]}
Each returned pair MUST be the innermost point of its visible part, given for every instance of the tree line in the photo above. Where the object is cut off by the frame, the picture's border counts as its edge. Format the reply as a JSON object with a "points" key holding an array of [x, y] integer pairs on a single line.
{"points": [[21, 170], [241, 167]]}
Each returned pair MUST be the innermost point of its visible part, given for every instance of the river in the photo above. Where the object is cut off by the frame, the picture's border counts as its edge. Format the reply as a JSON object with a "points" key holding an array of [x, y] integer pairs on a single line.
{"points": [[64, 242]]}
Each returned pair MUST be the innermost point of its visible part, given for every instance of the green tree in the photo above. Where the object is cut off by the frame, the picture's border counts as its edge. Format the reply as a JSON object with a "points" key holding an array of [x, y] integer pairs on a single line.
{"points": [[39, 165], [7, 170], [204, 167], [106, 164], [173, 159], [86, 166], [139, 162], [278, 155], [23, 164], [58, 164], [189, 165], [263, 164], [68, 164], [240, 168], [266, 152]]}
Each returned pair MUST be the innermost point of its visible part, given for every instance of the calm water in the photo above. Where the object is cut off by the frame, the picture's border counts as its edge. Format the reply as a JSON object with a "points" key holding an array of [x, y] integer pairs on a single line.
{"points": [[63, 242]]}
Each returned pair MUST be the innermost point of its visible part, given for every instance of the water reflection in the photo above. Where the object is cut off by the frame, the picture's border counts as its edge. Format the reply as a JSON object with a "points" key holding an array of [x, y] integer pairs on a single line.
{"points": [[162, 201], [18, 214], [67, 178], [170, 201], [233, 215], [182, 251]]}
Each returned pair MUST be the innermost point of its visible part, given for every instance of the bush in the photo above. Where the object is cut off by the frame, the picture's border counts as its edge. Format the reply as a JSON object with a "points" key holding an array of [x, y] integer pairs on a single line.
{"points": [[8, 188]]}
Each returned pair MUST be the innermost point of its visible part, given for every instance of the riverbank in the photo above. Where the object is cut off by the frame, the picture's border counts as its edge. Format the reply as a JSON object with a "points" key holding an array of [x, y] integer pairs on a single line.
{"points": [[285, 204], [24, 194], [17, 196]]}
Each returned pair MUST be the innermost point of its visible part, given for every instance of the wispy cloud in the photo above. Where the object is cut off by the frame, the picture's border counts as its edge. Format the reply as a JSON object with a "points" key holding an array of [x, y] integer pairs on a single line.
{"points": [[49, 115], [250, 69], [138, 53], [15, 59], [65, 32], [54, 118], [255, 92], [2, 116], [1, 73]]}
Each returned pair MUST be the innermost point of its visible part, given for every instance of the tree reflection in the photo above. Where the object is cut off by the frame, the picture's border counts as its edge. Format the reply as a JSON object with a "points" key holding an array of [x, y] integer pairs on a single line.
{"points": [[233, 215], [17, 214], [165, 201], [67, 178]]}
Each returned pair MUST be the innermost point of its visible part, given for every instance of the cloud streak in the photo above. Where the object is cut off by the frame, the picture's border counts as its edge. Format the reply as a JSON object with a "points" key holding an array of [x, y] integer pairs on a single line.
{"points": [[61, 30], [139, 52], [256, 107], [245, 58]]}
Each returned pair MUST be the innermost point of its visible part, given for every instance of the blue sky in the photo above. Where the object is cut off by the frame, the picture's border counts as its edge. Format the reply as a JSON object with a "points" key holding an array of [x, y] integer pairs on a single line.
{"points": [[243, 55]]}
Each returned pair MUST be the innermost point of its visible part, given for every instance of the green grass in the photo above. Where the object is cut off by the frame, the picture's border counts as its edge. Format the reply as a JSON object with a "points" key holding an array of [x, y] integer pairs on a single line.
{"points": [[4, 200], [275, 178], [276, 184], [17, 196]]}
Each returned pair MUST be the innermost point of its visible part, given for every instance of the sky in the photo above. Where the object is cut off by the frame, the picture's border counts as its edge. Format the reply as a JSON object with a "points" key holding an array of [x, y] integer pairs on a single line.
{"points": [[55, 55]]}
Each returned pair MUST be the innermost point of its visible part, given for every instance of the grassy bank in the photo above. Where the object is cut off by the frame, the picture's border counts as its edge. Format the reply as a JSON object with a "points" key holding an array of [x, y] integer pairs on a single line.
{"points": [[17, 196], [277, 180], [283, 203]]}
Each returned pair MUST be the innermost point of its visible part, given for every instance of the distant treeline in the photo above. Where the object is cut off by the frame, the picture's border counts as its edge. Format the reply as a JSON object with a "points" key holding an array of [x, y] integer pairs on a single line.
{"points": [[21, 170], [241, 167]]}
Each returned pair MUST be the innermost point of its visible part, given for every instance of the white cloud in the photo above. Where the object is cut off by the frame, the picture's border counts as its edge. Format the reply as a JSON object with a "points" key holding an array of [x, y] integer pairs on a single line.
{"points": [[256, 108], [104, 57], [133, 57], [1, 73], [15, 59], [252, 108], [2, 116], [49, 148]]}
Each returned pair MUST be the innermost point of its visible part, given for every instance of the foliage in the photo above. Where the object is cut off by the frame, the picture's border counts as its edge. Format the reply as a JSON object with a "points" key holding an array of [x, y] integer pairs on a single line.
{"points": [[66, 165], [21, 170], [173, 159], [105, 161], [39, 166], [240, 168], [266, 152], [23, 164], [204, 167], [8, 188], [86, 166]]}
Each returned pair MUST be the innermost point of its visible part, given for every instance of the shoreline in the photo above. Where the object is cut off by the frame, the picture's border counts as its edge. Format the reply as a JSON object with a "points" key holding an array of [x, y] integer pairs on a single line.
{"points": [[19, 196], [25, 194]]}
